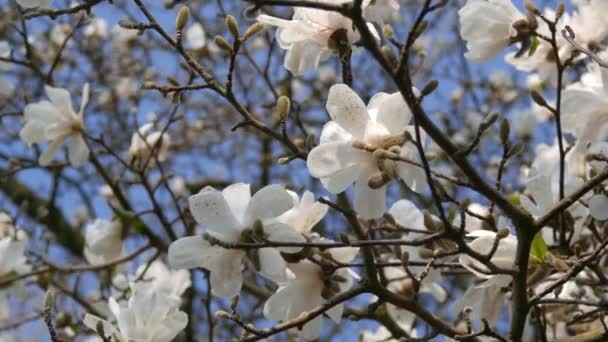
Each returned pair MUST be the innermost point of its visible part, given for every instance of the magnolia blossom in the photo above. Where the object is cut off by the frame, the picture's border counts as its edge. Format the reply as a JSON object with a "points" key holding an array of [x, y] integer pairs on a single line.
{"points": [[122, 37], [194, 37], [103, 241], [12, 254], [230, 216], [149, 316], [146, 142], [312, 35], [97, 28], [34, 3], [355, 147], [55, 121], [6, 87], [305, 214], [155, 277], [585, 114], [309, 288], [488, 27], [380, 11]]}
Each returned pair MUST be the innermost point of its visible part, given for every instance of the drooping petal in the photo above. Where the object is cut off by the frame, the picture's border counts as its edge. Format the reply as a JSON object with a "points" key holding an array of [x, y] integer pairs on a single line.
{"points": [[369, 203], [227, 275], [280, 232], [85, 99], [347, 109], [78, 151], [269, 202], [407, 214], [276, 307], [273, 266], [49, 154], [193, 252], [302, 56]]}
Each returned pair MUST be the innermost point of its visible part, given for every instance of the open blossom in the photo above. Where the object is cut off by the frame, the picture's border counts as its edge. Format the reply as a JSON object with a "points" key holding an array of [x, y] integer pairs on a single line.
{"points": [[310, 287], [585, 114], [149, 316], [103, 241], [355, 147], [312, 35], [305, 214], [146, 142], [55, 121], [97, 28], [488, 27], [34, 3], [231, 216]]}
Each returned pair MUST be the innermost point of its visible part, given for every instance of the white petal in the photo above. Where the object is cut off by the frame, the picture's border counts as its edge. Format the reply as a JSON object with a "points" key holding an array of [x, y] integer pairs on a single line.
{"points": [[335, 313], [369, 203], [407, 214], [194, 251], [85, 99], [227, 277], [61, 99], [312, 329], [413, 176], [269, 202], [276, 307], [78, 151], [327, 160], [273, 266], [280, 232], [390, 110], [302, 56], [211, 210], [344, 254], [332, 132], [49, 154], [347, 109], [341, 180], [598, 206], [33, 133], [238, 196]]}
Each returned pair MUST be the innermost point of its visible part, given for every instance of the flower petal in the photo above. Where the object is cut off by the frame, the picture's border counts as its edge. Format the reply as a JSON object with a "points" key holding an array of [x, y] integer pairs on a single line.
{"points": [[390, 110], [61, 99], [210, 209], [327, 160], [369, 203], [78, 151], [280, 232], [238, 196], [347, 109], [269, 202], [49, 154], [598, 206]]}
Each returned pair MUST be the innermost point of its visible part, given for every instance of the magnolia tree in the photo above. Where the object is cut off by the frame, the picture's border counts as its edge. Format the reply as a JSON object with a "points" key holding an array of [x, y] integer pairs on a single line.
{"points": [[288, 170]]}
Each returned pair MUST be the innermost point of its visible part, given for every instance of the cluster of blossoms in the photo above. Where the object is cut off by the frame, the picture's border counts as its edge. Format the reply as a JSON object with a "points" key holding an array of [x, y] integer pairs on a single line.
{"points": [[272, 232]]}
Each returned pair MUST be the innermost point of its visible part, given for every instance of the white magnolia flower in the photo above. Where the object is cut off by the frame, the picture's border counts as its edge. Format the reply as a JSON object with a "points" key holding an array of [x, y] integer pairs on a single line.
{"points": [[305, 214], [588, 22], [309, 288], [344, 154], [156, 142], [178, 186], [149, 316], [122, 37], [55, 121], [103, 241], [228, 216], [487, 27], [194, 37], [6, 87], [158, 278], [34, 3], [12, 254], [126, 88], [6, 225], [311, 36], [585, 115], [504, 257], [380, 11], [97, 28]]}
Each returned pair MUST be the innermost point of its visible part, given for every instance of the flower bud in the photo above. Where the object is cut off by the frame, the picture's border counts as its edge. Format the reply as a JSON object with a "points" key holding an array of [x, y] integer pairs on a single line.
{"points": [[284, 160], [538, 99], [221, 314], [49, 299], [389, 218], [502, 233], [430, 87], [429, 222], [559, 11], [425, 253], [344, 238], [234, 302], [505, 130], [388, 32], [253, 30], [99, 329], [182, 18], [378, 180], [531, 7], [222, 43], [233, 26], [515, 149], [283, 106], [405, 258], [389, 55], [488, 121]]}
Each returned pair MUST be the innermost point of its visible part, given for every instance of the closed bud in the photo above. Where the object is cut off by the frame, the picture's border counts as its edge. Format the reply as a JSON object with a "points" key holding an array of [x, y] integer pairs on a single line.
{"points": [[389, 55], [182, 18], [284, 160], [258, 228], [378, 180], [344, 238], [405, 258], [425, 253], [560, 265], [389, 218], [388, 32], [488, 121], [531, 7], [502, 233], [538, 99], [559, 11], [99, 329], [222, 43], [505, 130], [49, 298], [63, 319], [221, 314], [234, 302], [429, 222], [438, 252], [429, 87], [395, 149], [283, 106], [515, 149], [233, 26], [359, 144], [253, 30]]}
